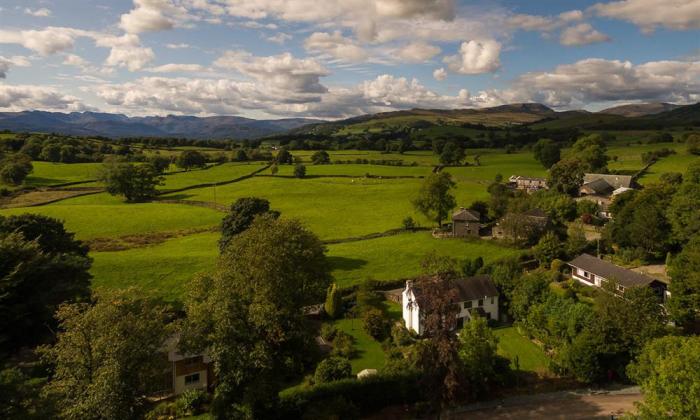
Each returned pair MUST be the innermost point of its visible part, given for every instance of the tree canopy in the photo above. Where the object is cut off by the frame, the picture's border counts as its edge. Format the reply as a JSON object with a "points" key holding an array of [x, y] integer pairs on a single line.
{"points": [[435, 199], [241, 215], [136, 182]]}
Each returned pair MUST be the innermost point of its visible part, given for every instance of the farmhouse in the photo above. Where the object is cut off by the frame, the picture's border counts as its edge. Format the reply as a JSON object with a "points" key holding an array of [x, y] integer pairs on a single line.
{"points": [[527, 183], [602, 188], [465, 223], [477, 296], [592, 271], [529, 221], [183, 371]]}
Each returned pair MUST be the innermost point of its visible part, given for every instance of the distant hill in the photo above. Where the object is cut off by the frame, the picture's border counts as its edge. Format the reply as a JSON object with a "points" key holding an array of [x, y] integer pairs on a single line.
{"points": [[640, 110], [117, 125]]}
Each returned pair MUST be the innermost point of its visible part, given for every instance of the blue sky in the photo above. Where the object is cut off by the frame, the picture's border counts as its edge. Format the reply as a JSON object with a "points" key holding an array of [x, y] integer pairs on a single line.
{"points": [[338, 58]]}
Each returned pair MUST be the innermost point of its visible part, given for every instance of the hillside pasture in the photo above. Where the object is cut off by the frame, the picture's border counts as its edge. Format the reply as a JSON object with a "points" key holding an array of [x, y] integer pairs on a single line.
{"points": [[48, 174], [217, 173], [356, 170]]}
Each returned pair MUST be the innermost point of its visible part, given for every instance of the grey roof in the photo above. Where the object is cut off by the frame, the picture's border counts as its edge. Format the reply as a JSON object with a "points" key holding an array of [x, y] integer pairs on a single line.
{"points": [[610, 271], [466, 215], [616, 181], [599, 186], [477, 287]]}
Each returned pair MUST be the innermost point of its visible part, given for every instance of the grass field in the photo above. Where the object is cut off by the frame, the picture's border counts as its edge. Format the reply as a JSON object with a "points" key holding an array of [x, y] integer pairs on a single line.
{"points": [[421, 157], [673, 163], [357, 170], [162, 270], [219, 173], [101, 215], [511, 345], [46, 173], [399, 256]]}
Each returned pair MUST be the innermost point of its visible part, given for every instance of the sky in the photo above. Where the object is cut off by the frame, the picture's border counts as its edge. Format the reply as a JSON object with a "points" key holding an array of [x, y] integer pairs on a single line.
{"points": [[339, 58]]}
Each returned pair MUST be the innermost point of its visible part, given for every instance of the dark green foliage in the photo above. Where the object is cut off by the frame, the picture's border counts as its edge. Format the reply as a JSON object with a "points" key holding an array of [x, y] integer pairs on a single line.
{"points": [[435, 199], [51, 152], [452, 154], [684, 306], [477, 352], [20, 397], [566, 176], [375, 324], [334, 302], [409, 224], [472, 267], [547, 152], [693, 144], [328, 332], [241, 215], [547, 249], [241, 155], [15, 168], [683, 211], [299, 171], [284, 157], [343, 345], [159, 163], [41, 266], [191, 159], [133, 181], [321, 158], [332, 369], [531, 289]]}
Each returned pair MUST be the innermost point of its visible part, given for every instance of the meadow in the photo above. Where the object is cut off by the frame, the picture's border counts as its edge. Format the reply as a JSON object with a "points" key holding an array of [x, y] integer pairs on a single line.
{"points": [[48, 174]]}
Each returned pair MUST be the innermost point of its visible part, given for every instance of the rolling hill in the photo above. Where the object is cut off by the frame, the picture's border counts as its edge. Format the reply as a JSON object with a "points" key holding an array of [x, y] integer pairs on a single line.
{"points": [[640, 110]]}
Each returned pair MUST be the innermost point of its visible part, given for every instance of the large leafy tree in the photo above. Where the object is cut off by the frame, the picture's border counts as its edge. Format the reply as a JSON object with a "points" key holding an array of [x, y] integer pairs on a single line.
{"points": [[241, 215], [477, 351], [591, 152], [566, 176], [667, 371], [547, 152], [435, 199], [41, 266], [684, 305], [105, 355], [191, 159], [15, 168], [134, 182], [683, 208], [249, 313]]}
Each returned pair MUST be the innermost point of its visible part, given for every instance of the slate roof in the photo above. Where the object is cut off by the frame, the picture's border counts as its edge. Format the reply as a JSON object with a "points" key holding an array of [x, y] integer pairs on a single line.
{"points": [[599, 186], [469, 288], [609, 271], [615, 181], [466, 215]]}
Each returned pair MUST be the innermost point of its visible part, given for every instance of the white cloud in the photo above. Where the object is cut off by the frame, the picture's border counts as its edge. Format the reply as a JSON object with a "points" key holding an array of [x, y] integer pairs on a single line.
{"points": [[179, 46], [582, 34], [336, 45], [23, 97], [476, 57], [176, 68], [571, 16], [153, 15], [8, 62], [650, 14], [43, 12], [417, 52], [279, 38], [126, 51], [45, 41], [440, 74], [75, 61]]}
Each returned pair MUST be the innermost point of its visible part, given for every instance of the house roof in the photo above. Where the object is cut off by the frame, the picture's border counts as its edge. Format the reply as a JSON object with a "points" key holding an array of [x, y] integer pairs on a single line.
{"points": [[466, 215], [614, 180], [515, 178], [477, 287], [599, 186], [610, 271]]}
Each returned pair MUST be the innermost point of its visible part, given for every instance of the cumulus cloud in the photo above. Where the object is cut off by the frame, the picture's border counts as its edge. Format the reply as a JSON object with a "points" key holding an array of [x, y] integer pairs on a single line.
{"points": [[335, 45], [599, 80], [153, 15], [23, 97], [283, 72], [179, 46], [582, 34], [7, 62], [45, 41], [650, 14], [440, 74], [417, 52], [43, 12], [476, 57], [126, 51], [544, 23], [176, 68], [279, 38]]}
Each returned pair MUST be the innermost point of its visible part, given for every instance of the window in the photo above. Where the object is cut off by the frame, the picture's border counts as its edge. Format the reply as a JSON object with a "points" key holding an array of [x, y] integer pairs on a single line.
{"points": [[468, 304], [620, 288], [481, 302], [192, 379], [585, 274]]}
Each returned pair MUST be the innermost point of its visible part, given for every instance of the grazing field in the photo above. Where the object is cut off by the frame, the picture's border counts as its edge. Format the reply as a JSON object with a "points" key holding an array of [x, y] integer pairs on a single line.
{"points": [[357, 170], [100, 215], [47, 173], [673, 163], [421, 157], [399, 256], [162, 270], [218, 173], [511, 345]]}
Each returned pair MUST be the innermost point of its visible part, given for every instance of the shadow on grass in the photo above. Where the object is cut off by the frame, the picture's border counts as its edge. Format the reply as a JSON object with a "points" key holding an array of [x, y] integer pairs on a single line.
{"points": [[346, 264]]}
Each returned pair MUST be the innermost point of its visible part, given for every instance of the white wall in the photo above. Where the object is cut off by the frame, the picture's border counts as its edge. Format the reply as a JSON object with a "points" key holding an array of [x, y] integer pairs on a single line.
{"points": [[179, 383], [490, 305], [411, 315]]}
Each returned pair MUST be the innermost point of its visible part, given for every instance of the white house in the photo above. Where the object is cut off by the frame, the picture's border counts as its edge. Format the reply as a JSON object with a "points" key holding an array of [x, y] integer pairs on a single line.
{"points": [[182, 371], [477, 295], [592, 271]]}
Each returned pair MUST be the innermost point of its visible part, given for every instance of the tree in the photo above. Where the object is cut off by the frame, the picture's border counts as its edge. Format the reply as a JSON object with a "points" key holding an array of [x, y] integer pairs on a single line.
{"points": [[693, 144], [590, 151], [566, 176], [241, 155], [682, 210], [105, 354], [547, 152], [334, 302], [241, 215], [435, 199], [191, 159], [321, 158], [452, 154], [332, 369], [51, 152], [299, 171], [375, 324], [548, 249], [530, 290], [667, 372], [477, 351], [20, 397], [135, 182], [684, 306], [14, 169], [249, 313], [159, 163], [284, 157], [576, 241], [41, 266]]}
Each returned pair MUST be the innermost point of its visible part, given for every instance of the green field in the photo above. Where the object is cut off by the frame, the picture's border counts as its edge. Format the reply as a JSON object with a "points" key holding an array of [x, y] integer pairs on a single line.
{"points": [[218, 173], [511, 344], [357, 170], [673, 163], [47, 173], [101, 215], [399, 256]]}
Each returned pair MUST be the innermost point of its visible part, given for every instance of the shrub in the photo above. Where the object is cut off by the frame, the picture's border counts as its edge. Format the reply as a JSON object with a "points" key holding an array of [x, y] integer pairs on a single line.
{"points": [[343, 345], [409, 224], [334, 302], [400, 335], [332, 369], [300, 171], [190, 402], [328, 332], [375, 324]]}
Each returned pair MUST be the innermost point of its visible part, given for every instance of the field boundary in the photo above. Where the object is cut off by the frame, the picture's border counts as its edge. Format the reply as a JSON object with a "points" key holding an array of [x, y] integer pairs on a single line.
{"points": [[347, 176], [207, 204], [390, 232], [215, 184]]}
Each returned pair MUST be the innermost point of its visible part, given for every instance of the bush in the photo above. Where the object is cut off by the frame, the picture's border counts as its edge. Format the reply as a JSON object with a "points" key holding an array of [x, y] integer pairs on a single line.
{"points": [[343, 345], [400, 336], [332, 369], [409, 224], [328, 332], [375, 324], [334, 302], [299, 171], [191, 402]]}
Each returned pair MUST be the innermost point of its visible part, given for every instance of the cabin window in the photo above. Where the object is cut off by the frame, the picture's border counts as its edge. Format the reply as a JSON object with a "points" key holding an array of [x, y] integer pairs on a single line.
{"points": [[481, 302], [192, 379], [468, 304]]}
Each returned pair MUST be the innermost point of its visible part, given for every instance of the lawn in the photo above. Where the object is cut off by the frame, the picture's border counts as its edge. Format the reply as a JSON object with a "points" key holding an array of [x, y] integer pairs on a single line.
{"points": [[369, 353], [101, 215], [674, 163], [399, 256], [47, 173], [162, 270], [219, 173], [511, 345]]}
